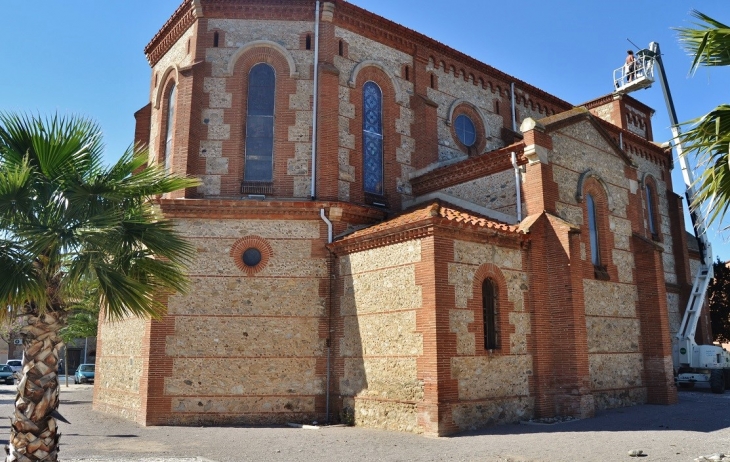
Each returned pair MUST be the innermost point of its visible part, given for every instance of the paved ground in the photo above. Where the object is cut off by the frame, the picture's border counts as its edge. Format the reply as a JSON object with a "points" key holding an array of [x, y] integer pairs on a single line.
{"points": [[699, 425]]}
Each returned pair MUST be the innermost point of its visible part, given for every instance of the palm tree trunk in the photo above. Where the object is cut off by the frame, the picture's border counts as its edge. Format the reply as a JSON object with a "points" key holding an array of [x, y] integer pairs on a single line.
{"points": [[33, 432]]}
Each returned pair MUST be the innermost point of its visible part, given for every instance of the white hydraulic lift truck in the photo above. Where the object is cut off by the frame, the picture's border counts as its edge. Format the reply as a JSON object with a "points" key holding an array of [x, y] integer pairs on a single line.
{"points": [[692, 363]]}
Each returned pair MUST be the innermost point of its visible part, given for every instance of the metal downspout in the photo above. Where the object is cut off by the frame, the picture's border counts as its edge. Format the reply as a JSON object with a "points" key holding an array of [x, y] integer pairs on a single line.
{"points": [[329, 315], [313, 191], [514, 110], [517, 186]]}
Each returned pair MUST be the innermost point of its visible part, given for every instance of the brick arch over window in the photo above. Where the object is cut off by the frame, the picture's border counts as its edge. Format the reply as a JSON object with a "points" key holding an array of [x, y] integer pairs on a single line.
{"points": [[652, 216], [235, 119], [464, 107], [171, 72], [352, 82], [592, 175], [293, 73], [491, 272], [598, 233]]}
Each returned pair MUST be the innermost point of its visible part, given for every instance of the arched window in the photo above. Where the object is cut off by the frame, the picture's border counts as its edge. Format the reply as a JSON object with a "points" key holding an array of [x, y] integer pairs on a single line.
{"points": [[651, 212], [372, 138], [593, 229], [170, 132], [260, 124], [489, 308]]}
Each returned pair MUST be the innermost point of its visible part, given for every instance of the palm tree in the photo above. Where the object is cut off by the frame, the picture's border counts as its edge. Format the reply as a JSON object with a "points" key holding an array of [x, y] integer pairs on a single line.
{"points": [[709, 135], [66, 219]]}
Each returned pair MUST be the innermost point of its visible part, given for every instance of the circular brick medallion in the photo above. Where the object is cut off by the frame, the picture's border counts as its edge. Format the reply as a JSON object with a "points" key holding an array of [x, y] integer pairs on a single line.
{"points": [[251, 254]]}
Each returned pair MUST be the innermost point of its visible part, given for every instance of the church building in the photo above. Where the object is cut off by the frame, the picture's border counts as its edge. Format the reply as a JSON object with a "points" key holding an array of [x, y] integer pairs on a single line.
{"points": [[393, 234]]}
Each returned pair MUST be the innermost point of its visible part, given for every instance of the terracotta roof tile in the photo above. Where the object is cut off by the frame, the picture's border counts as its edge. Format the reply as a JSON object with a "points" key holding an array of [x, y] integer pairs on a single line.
{"points": [[439, 210]]}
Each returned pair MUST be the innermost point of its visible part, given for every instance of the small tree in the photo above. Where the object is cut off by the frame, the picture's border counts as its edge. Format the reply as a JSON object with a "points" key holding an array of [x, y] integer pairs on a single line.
{"points": [[718, 296]]}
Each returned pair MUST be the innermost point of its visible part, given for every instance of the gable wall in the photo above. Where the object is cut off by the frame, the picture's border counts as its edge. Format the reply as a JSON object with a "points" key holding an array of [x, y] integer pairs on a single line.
{"points": [[613, 327]]}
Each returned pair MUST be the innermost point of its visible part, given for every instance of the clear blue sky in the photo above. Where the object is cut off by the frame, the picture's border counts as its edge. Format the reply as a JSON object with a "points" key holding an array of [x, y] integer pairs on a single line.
{"points": [[86, 56]]}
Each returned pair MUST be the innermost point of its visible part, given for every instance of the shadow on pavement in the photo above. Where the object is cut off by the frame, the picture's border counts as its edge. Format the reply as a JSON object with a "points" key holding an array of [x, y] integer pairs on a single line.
{"points": [[697, 411]]}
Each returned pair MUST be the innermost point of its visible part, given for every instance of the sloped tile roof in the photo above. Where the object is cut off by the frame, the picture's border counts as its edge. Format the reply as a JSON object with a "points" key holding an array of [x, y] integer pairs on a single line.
{"points": [[440, 212]]}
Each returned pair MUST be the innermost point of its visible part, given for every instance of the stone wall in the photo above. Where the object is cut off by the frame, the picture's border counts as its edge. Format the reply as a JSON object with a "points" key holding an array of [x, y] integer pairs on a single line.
{"points": [[380, 344], [119, 367], [364, 52], [614, 344], [495, 192], [222, 148], [646, 169], [613, 329], [248, 348], [179, 56], [493, 386]]}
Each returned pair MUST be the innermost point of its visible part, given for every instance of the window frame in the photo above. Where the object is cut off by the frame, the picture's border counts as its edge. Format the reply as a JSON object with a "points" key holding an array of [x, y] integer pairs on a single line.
{"points": [[171, 113], [369, 175], [490, 314], [594, 237], [249, 156], [458, 130], [651, 210]]}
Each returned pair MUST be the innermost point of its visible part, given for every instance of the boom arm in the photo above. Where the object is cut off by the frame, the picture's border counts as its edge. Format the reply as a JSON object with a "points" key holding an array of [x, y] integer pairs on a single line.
{"points": [[686, 333]]}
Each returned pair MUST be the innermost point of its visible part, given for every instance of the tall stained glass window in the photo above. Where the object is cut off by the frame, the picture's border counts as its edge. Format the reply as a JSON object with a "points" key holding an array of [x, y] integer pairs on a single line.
{"points": [[170, 127], [372, 138], [260, 124]]}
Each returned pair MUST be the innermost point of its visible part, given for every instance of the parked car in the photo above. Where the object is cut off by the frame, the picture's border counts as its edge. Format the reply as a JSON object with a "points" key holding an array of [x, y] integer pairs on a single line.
{"points": [[15, 364], [84, 374], [6, 374]]}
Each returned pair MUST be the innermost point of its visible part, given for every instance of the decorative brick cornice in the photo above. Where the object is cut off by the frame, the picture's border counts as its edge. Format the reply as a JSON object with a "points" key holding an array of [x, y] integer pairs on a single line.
{"points": [[359, 20], [296, 10], [404, 234], [171, 31], [637, 145], [293, 210], [603, 100], [468, 170]]}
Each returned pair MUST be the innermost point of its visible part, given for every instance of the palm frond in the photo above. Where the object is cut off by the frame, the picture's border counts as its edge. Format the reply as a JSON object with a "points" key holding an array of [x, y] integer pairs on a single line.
{"points": [[123, 296], [16, 193], [21, 282], [708, 137], [708, 42]]}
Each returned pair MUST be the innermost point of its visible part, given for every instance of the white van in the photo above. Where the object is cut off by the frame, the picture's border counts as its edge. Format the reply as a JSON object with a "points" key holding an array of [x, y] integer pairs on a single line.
{"points": [[15, 364]]}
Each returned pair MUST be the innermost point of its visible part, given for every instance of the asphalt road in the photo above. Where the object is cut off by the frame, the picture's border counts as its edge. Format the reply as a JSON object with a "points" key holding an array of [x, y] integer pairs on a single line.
{"points": [[699, 425]]}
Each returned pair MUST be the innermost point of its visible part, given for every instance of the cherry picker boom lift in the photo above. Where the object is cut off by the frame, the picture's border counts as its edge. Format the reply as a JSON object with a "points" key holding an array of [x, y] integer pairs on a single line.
{"points": [[692, 363]]}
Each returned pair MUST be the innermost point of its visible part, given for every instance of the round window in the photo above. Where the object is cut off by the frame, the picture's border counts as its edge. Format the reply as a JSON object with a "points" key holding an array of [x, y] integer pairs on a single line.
{"points": [[465, 130], [251, 257]]}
